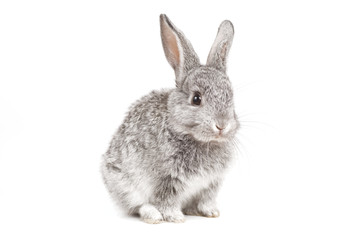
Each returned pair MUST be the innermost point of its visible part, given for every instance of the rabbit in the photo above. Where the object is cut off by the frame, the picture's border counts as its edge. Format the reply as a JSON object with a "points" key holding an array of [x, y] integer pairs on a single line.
{"points": [[169, 156]]}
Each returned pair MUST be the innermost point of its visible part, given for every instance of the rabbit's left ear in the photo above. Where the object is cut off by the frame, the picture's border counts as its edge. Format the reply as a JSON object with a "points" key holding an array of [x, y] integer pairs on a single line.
{"points": [[178, 50], [221, 46]]}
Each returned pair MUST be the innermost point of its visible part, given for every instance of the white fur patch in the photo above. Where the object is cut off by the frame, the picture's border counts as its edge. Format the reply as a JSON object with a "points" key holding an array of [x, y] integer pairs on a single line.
{"points": [[198, 183], [150, 214]]}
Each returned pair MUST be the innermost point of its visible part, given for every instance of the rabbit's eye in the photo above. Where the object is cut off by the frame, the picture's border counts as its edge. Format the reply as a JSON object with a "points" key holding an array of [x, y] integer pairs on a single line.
{"points": [[196, 99]]}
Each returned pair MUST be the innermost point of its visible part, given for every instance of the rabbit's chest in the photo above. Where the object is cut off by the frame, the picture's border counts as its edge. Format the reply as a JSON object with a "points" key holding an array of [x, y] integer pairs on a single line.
{"points": [[198, 168], [206, 170], [203, 164], [196, 184]]}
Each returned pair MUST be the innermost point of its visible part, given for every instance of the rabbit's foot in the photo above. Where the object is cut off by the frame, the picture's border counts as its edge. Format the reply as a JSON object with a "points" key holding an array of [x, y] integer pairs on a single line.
{"points": [[149, 214], [210, 213], [173, 215], [203, 210]]}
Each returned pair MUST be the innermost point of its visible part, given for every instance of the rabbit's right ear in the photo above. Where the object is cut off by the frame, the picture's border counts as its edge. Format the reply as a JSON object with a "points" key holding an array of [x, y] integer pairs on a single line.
{"points": [[178, 50]]}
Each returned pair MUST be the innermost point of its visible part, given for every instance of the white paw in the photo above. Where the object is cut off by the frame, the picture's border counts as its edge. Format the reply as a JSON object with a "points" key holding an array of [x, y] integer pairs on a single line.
{"points": [[208, 211], [175, 216], [150, 214], [213, 213]]}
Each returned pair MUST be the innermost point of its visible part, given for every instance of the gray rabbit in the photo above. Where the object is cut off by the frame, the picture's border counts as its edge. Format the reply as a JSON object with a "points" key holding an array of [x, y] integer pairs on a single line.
{"points": [[169, 156]]}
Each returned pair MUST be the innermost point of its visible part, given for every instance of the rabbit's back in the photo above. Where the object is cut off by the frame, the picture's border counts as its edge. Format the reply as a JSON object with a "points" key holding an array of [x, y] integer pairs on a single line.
{"points": [[134, 149], [144, 120]]}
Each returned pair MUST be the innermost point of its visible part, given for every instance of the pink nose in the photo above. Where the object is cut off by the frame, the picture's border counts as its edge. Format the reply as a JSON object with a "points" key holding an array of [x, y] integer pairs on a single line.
{"points": [[220, 128]]}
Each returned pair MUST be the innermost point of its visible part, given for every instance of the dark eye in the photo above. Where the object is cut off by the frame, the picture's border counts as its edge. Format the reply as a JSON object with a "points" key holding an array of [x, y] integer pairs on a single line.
{"points": [[196, 99]]}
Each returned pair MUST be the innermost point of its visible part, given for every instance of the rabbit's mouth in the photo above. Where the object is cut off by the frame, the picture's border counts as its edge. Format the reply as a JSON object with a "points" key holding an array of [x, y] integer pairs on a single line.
{"points": [[214, 136], [211, 131], [221, 137]]}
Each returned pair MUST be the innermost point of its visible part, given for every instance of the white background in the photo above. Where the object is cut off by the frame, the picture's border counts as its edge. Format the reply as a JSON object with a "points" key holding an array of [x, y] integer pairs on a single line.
{"points": [[70, 69]]}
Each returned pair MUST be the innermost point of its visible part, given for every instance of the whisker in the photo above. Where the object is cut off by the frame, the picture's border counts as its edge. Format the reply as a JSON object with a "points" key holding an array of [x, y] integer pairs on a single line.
{"points": [[242, 140], [239, 148]]}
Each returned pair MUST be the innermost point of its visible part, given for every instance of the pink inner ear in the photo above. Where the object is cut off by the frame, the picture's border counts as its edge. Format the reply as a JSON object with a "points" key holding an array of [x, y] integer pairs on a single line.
{"points": [[223, 51], [172, 47]]}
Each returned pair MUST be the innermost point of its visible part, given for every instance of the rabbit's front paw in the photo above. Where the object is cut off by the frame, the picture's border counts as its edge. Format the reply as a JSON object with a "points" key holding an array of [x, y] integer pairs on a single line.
{"points": [[208, 211], [205, 212], [150, 214], [175, 216], [211, 213]]}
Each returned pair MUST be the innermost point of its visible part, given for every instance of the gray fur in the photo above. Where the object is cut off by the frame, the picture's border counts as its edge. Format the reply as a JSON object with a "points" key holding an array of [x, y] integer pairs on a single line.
{"points": [[220, 49], [167, 158]]}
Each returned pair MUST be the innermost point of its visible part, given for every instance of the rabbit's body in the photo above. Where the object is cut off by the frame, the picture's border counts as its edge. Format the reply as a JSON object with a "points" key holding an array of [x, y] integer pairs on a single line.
{"points": [[169, 155], [144, 158]]}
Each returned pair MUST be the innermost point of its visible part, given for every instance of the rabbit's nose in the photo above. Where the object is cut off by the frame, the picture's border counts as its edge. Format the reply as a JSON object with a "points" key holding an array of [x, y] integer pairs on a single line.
{"points": [[220, 128]]}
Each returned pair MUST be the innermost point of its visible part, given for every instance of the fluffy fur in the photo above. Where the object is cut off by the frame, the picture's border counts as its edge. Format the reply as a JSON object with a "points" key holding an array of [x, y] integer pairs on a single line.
{"points": [[169, 156]]}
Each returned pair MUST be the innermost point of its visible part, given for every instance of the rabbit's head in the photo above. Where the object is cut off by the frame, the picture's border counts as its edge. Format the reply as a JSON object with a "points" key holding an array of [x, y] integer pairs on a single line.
{"points": [[202, 104]]}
